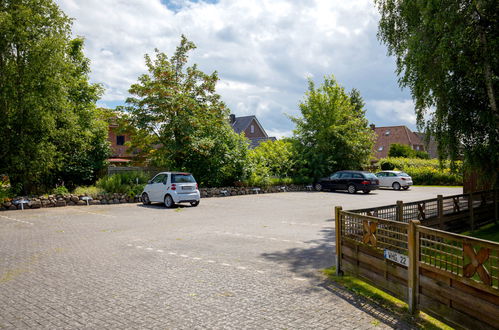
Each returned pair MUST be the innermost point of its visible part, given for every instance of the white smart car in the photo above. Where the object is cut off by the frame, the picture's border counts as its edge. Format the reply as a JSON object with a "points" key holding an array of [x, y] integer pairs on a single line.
{"points": [[394, 179], [171, 188]]}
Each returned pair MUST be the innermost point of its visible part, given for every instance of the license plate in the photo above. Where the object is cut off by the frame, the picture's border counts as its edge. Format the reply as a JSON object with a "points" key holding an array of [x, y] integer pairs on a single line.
{"points": [[186, 188]]}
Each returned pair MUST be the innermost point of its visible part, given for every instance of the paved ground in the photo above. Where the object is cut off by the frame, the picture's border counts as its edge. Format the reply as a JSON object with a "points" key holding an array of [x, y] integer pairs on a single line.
{"points": [[236, 262]]}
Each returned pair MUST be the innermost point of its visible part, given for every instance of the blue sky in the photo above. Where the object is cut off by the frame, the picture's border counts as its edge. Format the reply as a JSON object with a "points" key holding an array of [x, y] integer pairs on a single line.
{"points": [[263, 50]]}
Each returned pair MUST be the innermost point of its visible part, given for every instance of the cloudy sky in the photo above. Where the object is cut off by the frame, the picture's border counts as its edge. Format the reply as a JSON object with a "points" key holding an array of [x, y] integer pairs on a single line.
{"points": [[263, 50]]}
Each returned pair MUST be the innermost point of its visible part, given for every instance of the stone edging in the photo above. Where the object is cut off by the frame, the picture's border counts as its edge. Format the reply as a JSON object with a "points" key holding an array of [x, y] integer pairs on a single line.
{"points": [[71, 199]]}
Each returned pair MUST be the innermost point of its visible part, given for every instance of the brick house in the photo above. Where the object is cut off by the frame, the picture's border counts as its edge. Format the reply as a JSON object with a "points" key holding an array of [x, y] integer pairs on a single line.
{"points": [[252, 129], [117, 139], [388, 135]]}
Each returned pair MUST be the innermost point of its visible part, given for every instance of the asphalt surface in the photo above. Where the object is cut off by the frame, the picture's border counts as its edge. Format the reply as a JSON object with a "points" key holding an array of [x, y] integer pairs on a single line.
{"points": [[244, 262]]}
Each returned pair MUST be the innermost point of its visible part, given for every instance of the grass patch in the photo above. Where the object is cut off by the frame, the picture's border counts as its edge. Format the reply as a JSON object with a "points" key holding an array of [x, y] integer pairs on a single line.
{"points": [[387, 301], [489, 232]]}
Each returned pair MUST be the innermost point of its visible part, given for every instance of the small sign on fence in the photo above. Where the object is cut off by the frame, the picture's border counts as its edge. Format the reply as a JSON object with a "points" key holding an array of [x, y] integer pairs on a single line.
{"points": [[397, 257]]}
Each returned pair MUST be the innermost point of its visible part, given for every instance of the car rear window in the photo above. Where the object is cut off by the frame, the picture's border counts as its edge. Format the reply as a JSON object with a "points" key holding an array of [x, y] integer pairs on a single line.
{"points": [[404, 174], [370, 176], [182, 178]]}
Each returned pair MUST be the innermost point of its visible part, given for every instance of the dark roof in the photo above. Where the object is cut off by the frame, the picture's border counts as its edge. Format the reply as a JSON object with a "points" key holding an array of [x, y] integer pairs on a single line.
{"points": [[255, 142], [241, 123]]}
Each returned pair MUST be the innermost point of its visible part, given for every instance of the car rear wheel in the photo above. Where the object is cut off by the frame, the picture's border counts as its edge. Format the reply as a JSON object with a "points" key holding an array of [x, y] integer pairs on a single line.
{"points": [[352, 189], [194, 204], [169, 201], [318, 187], [396, 186], [145, 199]]}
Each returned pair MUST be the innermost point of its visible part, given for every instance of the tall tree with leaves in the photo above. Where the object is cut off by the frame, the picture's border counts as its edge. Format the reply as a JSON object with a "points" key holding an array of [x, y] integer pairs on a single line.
{"points": [[446, 54], [47, 106], [178, 106], [332, 133]]}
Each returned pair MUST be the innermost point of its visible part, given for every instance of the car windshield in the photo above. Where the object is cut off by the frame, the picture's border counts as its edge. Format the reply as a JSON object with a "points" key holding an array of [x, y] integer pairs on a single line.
{"points": [[404, 174], [370, 176], [182, 178]]}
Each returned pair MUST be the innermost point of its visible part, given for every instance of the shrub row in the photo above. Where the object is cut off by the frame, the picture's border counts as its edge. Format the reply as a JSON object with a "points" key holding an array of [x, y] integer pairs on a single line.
{"points": [[426, 171]]}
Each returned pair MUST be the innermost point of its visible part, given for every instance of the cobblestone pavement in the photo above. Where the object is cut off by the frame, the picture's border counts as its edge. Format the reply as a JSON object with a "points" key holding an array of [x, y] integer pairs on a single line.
{"points": [[230, 263]]}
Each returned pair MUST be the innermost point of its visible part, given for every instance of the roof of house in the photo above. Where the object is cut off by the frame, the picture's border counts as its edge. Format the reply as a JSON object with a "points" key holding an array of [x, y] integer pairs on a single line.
{"points": [[240, 124], [388, 135]]}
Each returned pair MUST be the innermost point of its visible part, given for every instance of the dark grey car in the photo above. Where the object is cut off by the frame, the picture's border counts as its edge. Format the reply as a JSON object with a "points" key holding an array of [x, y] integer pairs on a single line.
{"points": [[351, 181]]}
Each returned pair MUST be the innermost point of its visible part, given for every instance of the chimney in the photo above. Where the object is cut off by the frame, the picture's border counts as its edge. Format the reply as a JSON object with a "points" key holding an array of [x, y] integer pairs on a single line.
{"points": [[372, 126], [232, 118]]}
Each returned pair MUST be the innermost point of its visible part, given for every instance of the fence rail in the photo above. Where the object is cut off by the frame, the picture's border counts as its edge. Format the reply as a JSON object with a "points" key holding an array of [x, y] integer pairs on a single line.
{"points": [[455, 213], [450, 276]]}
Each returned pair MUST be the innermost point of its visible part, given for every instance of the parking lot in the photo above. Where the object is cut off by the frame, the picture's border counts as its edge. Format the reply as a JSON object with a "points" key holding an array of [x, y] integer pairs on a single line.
{"points": [[237, 262]]}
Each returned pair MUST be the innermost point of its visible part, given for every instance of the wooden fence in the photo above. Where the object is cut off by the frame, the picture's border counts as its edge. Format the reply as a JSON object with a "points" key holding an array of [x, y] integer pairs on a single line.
{"points": [[450, 276], [456, 213]]}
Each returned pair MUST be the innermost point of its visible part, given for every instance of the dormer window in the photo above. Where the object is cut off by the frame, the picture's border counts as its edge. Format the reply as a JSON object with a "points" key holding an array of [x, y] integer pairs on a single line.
{"points": [[252, 128], [387, 132], [380, 148]]}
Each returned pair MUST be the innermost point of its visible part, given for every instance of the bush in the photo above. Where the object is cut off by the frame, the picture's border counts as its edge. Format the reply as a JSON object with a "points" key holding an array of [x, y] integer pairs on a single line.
{"points": [[426, 172], [5, 193], [131, 183], [61, 190], [89, 191]]}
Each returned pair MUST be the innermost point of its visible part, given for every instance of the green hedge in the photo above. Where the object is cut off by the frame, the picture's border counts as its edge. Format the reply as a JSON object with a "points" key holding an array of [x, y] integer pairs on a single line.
{"points": [[426, 171]]}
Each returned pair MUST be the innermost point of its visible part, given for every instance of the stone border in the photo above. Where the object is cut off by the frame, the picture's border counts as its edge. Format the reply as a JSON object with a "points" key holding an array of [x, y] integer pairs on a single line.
{"points": [[71, 199]]}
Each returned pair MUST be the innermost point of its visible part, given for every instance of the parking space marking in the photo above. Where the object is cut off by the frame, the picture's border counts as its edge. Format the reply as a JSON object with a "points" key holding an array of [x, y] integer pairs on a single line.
{"points": [[272, 239], [21, 221], [227, 265], [94, 213], [304, 224]]}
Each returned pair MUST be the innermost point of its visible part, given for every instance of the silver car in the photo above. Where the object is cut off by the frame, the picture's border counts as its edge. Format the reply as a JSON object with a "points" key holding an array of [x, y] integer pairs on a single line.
{"points": [[171, 188], [394, 179]]}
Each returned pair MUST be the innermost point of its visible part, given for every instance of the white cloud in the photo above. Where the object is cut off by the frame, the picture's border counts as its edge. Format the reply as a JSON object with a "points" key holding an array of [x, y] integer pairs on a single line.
{"points": [[394, 111], [263, 50]]}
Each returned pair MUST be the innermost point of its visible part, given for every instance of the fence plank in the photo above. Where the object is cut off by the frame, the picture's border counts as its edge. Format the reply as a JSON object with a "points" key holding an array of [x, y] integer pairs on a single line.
{"points": [[413, 248]]}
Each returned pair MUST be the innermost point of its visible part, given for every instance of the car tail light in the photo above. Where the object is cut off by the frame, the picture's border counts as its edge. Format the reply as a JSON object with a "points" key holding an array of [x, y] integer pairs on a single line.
{"points": [[174, 187], [197, 186], [404, 179], [365, 182]]}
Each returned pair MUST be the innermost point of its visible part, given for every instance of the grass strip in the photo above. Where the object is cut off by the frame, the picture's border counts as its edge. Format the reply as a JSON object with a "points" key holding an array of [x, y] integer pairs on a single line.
{"points": [[385, 300], [489, 232]]}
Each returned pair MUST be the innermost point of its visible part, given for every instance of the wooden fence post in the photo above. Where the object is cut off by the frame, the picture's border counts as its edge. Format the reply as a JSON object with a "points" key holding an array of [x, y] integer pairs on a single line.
{"points": [[440, 211], [400, 211], [470, 209], [337, 219], [412, 271], [496, 206]]}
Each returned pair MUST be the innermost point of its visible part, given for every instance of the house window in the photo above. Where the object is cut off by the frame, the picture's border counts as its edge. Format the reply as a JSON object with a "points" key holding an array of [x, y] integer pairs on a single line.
{"points": [[380, 148], [120, 140], [252, 128], [387, 132]]}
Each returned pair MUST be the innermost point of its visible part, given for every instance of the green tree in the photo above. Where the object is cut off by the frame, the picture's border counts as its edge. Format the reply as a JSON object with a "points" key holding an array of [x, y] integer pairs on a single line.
{"points": [[446, 53], [401, 150], [274, 158], [46, 102], [332, 133], [177, 109]]}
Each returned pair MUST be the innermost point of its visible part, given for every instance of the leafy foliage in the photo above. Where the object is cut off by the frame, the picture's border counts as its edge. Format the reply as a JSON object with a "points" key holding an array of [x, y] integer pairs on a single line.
{"points": [[332, 133], [446, 54], [403, 150], [427, 172], [61, 190], [50, 131], [176, 109], [131, 183], [88, 190]]}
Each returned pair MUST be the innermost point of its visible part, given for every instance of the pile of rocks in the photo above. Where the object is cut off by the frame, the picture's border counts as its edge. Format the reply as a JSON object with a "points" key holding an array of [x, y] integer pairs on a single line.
{"points": [[65, 200]]}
